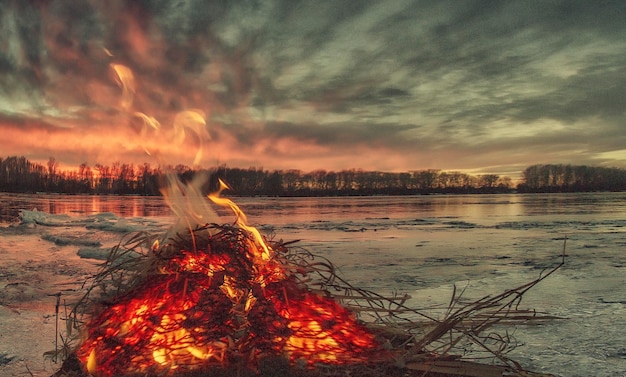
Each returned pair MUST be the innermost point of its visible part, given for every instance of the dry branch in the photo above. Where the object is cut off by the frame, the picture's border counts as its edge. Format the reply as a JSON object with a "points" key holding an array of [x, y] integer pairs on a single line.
{"points": [[414, 340]]}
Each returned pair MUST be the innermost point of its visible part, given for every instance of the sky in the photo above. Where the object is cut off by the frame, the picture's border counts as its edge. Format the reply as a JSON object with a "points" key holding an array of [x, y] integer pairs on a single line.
{"points": [[481, 87]]}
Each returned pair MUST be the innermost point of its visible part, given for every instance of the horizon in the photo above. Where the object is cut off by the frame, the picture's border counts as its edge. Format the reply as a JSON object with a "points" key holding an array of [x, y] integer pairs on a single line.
{"points": [[565, 172], [66, 169], [474, 87]]}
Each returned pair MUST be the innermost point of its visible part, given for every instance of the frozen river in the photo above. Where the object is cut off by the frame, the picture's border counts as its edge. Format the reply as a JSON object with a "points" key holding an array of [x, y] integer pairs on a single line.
{"points": [[420, 245]]}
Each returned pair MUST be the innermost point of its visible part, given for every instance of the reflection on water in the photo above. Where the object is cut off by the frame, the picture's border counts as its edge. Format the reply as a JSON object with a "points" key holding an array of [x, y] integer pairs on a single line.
{"points": [[81, 205], [484, 209]]}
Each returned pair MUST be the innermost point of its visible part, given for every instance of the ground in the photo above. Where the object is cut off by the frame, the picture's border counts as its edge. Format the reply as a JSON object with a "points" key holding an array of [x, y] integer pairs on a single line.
{"points": [[30, 282]]}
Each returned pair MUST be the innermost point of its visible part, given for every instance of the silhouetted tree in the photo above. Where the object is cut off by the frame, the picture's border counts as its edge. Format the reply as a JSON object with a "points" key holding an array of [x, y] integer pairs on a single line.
{"points": [[568, 178], [17, 174]]}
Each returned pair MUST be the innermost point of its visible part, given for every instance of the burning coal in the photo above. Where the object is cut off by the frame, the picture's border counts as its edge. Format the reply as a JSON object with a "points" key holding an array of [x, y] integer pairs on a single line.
{"points": [[218, 296]]}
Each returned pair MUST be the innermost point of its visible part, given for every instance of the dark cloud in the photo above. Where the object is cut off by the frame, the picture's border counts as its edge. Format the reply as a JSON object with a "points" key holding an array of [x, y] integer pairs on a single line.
{"points": [[401, 74], [339, 134]]}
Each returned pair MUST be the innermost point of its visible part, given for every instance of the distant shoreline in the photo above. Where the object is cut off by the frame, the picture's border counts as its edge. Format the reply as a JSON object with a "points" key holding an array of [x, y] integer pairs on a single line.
{"points": [[18, 175], [322, 195]]}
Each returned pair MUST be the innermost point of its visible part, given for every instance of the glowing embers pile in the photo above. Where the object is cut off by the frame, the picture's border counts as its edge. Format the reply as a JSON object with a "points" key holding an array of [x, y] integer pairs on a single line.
{"points": [[229, 302]]}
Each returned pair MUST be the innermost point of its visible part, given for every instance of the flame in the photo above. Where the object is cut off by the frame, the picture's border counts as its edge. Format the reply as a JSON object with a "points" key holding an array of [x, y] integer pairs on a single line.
{"points": [[188, 203], [194, 121], [126, 80], [229, 299], [148, 124], [186, 123], [241, 218]]}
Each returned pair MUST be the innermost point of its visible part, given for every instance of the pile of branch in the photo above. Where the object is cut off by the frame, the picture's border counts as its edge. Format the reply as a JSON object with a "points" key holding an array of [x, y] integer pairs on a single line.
{"points": [[466, 339]]}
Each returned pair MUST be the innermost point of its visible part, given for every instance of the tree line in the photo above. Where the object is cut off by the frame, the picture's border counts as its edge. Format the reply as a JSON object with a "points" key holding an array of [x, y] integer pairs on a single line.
{"points": [[572, 178], [357, 182], [17, 174]]}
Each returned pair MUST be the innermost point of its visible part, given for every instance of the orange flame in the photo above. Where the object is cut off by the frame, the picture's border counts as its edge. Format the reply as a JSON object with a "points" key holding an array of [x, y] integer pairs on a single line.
{"points": [[241, 218], [211, 306]]}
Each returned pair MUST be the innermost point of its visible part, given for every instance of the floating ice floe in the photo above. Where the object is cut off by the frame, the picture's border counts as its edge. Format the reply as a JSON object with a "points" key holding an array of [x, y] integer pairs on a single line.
{"points": [[34, 217], [94, 235]]}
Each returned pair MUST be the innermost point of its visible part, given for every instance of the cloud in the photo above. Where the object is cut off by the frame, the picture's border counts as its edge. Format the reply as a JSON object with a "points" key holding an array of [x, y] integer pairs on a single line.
{"points": [[420, 84]]}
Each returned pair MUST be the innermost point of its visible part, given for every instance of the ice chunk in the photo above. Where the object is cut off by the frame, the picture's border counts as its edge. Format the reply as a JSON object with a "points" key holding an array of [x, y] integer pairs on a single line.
{"points": [[115, 225], [104, 254], [35, 217], [68, 240]]}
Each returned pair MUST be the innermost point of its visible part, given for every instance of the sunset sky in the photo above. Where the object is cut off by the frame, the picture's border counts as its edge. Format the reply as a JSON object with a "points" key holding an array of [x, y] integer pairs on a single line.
{"points": [[472, 86]]}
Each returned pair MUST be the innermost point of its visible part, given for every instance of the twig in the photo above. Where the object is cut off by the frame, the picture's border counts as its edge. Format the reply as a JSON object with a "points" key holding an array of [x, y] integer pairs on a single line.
{"points": [[28, 370], [56, 324]]}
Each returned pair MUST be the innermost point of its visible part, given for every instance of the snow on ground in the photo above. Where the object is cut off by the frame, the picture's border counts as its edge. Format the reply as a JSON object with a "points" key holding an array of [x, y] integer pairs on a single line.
{"points": [[422, 256], [38, 260]]}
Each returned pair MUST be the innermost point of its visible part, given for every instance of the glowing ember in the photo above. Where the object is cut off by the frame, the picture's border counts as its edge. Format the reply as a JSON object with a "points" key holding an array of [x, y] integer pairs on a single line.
{"points": [[228, 301]]}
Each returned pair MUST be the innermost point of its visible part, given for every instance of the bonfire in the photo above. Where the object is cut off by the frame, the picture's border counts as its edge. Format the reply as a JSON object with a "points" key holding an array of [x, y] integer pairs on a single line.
{"points": [[221, 299]]}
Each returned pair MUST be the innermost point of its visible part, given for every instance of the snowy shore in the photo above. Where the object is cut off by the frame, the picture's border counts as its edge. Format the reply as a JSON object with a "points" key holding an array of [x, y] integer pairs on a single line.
{"points": [[424, 257]]}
